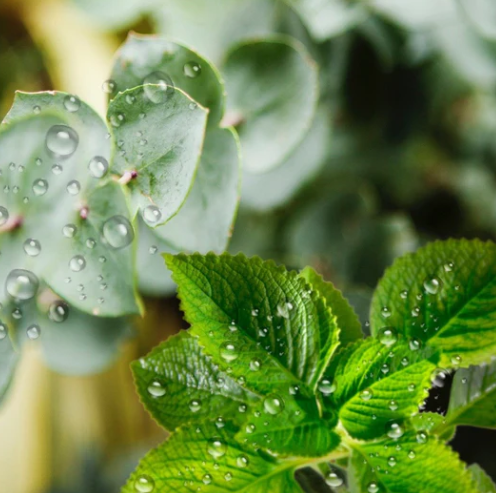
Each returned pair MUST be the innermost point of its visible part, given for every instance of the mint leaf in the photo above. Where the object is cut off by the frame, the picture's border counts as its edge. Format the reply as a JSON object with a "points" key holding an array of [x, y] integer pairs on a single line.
{"points": [[483, 481], [371, 385], [270, 115], [208, 458], [180, 385], [408, 464], [347, 319], [473, 397], [159, 132], [442, 297], [257, 319], [152, 60]]}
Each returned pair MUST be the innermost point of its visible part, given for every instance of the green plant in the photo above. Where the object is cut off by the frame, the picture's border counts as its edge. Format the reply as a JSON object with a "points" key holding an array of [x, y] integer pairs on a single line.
{"points": [[274, 376]]}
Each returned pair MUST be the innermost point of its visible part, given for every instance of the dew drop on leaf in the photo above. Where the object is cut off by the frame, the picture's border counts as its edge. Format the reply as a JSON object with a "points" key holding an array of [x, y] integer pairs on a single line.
{"points": [[152, 215], [326, 386], [62, 141], [118, 232], [366, 395], [33, 332], [332, 479], [57, 169], [422, 437], [69, 230], [4, 215], [162, 89], [156, 389], [432, 285], [73, 187], [393, 405], [394, 430], [414, 344], [58, 311], [273, 404], [392, 461], [228, 351], [77, 263], [21, 284], [109, 86], [192, 70], [117, 119], [32, 247], [373, 487], [388, 336], [17, 313], [242, 461], [255, 364], [207, 479], [144, 484], [228, 476], [40, 187], [3, 331], [411, 454], [195, 405], [98, 167], [216, 447], [72, 103]]}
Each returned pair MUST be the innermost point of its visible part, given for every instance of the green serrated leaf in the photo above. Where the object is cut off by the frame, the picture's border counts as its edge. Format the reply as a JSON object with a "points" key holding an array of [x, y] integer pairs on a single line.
{"points": [[371, 385], [442, 297], [47, 189], [149, 59], [159, 131], [271, 116], [180, 385], [483, 481], [408, 465], [265, 191], [207, 457], [347, 319], [254, 314], [329, 18], [473, 397]]}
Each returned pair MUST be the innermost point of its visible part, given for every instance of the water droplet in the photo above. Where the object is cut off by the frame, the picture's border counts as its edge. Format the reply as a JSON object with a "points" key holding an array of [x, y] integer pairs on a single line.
{"points": [[228, 476], [404, 294], [32, 247], [117, 119], [77, 263], [394, 430], [207, 479], [273, 404], [432, 285], [98, 167], [438, 378], [162, 89], [118, 232], [109, 86], [57, 169], [373, 487], [90, 243], [414, 344], [36, 110], [152, 215], [192, 70], [3, 331], [17, 313], [392, 461], [283, 309], [153, 250], [366, 395], [156, 389], [72, 103], [33, 332], [332, 479], [144, 484], [255, 364], [195, 405], [448, 266], [456, 360], [22, 284], [62, 141], [216, 447], [388, 336], [130, 99], [73, 187], [4, 215], [393, 405], [69, 230], [242, 461], [58, 311], [40, 187], [228, 351], [327, 387], [422, 437], [38, 161], [385, 312], [411, 454]]}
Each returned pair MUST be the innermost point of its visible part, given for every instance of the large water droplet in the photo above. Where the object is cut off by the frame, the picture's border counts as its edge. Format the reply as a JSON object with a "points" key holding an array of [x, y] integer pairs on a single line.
{"points": [[332, 479], [273, 404], [207, 479], [58, 311], [366, 395], [388, 336], [216, 447], [373, 487], [228, 351], [152, 215], [69, 230], [195, 405], [40, 187], [62, 141], [32, 247], [242, 461], [255, 364], [4, 215], [394, 430], [33, 332], [422, 437], [432, 285], [118, 232], [77, 263], [326, 386], [144, 484], [163, 87], [156, 389], [98, 167], [72, 104], [192, 70], [22, 284], [73, 187]]}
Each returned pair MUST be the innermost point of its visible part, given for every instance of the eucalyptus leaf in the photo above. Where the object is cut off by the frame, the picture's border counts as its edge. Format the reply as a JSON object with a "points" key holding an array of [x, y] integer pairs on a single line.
{"points": [[442, 297], [160, 131], [270, 115]]}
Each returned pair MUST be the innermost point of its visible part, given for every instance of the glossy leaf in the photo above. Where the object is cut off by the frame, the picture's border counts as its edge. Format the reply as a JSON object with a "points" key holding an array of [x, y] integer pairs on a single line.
{"points": [[161, 132], [483, 481], [8, 362], [187, 462], [443, 296], [155, 60], [271, 116], [180, 385], [248, 312]]}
